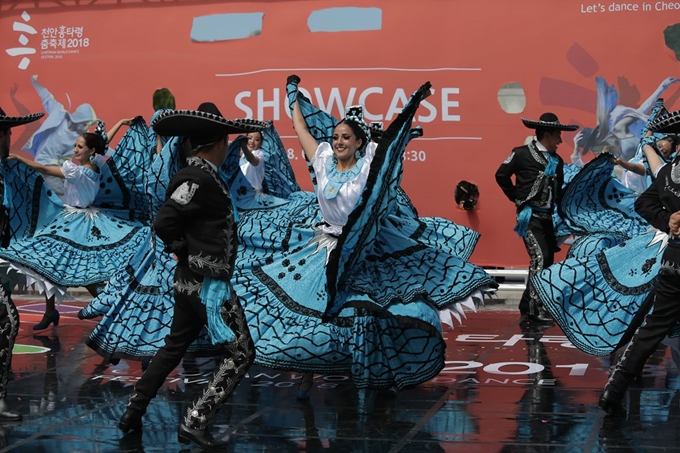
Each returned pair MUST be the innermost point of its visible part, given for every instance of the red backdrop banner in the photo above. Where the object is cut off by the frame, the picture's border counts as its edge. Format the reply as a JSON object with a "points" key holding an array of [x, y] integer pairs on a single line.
{"points": [[490, 63]]}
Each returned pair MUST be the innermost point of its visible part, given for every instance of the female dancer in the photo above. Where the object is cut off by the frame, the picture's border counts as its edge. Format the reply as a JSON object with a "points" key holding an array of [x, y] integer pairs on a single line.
{"points": [[137, 304], [81, 241], [340, 289], [598, 207], [595, 295], [660, 205], [650, 155], [252, 162]]}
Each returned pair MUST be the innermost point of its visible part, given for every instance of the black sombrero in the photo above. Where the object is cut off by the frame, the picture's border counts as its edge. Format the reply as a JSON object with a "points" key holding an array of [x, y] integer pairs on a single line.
{"points": [[7, 122], [668, 123], [549, 121], [203, 125]]}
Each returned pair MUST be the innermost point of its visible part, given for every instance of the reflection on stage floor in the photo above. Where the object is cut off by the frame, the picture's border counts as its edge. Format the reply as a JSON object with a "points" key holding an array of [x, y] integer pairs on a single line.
{"points": [[507, 387]]}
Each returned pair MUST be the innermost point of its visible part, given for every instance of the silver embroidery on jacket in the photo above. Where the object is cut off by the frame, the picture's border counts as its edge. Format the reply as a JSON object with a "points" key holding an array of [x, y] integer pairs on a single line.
{"points": [[669, 268], [509, 159], [184, 193], [675, 173], [215, 265], [187, 287], [542, 184]]}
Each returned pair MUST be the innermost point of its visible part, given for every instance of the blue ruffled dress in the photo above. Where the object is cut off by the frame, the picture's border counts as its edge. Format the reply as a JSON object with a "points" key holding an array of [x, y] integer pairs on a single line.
{"points": [[363, 299], [611, 268], [594, 299], [85, 239], [598, 209], [136, 307]]}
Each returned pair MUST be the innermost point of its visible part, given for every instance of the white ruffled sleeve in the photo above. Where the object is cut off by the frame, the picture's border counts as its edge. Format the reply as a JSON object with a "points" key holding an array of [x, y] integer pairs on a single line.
{"points": [[260, 155], [323, 152], [370, 151], [71, 171]]}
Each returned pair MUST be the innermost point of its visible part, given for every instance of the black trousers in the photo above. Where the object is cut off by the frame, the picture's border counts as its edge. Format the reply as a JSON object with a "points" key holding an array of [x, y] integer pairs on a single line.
{"points": [[541, 245], [656, 325], [638, 319], [9, 327], [187, 322]]}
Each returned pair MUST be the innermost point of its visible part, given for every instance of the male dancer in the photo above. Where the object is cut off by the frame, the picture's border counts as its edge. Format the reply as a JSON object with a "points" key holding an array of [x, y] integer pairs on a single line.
{"points": [[9, 316]]}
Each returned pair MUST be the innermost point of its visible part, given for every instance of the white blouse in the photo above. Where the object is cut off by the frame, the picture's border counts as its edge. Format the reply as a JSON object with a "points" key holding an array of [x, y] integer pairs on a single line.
{"points": [[254, 174], [80, 185], [335, 211]]}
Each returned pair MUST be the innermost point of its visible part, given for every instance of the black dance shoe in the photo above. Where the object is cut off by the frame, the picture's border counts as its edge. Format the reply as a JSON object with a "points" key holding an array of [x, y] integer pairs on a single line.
{"points": [[200, 437], [47, 320], [6, 414], [611, 405], [131, 420]]}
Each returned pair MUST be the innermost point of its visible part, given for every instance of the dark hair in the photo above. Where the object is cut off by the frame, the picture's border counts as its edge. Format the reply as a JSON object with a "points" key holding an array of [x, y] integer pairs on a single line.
{"points": [[540, 133], [163, 99], [467, 193], [673, 139], [257, 132], [357, 130], [94, 141]]}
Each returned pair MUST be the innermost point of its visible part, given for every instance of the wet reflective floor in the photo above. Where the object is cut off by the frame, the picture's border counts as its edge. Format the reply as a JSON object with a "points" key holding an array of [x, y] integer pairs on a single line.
{"points": [[507, 387]]}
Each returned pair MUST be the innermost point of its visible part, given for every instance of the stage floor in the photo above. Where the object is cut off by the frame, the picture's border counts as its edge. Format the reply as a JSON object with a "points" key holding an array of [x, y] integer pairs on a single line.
{"points": [[506, 388]]}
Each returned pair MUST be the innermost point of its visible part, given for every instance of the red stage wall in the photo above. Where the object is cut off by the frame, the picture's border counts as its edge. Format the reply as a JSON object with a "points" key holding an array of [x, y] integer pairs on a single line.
{"points": [[467, 49]]}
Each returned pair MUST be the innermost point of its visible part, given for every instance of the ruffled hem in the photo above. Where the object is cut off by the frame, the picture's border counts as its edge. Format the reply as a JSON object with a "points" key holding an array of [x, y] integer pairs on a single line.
{"points": [[127, 352], [401, 345], [594, 300], [68, 263], [136, 308], [457, 310], [42, 285]]}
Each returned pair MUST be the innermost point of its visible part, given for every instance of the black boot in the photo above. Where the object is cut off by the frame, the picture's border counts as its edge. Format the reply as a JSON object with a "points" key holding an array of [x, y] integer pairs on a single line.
{"points": [[611, 404], [200, 437], [611, 399], [131, 420], [6, 414], [615, 358]]}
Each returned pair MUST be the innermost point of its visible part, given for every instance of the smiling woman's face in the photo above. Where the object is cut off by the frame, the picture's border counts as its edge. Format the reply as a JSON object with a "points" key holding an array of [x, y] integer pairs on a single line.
{"points": [[81, 152], [254, 141], [345, 143]]}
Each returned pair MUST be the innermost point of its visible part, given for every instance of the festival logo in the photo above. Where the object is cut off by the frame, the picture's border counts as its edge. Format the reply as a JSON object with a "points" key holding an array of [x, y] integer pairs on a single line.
{"points": [[55, 41], [62, 40], [24, 29]]}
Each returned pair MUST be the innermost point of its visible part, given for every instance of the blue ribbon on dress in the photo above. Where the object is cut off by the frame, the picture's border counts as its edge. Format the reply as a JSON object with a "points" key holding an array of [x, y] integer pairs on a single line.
{"points": [[214, 294], [524, 216], [234, 210]]}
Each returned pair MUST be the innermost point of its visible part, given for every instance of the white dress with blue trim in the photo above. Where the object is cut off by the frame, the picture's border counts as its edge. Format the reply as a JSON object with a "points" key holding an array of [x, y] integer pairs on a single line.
{"points": [[82, 240], [355, 286]]}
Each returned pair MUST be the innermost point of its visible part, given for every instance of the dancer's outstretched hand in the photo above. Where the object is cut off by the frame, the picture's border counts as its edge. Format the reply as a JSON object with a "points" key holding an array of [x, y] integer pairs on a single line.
{"points": [[424, 90], [294, 79]]}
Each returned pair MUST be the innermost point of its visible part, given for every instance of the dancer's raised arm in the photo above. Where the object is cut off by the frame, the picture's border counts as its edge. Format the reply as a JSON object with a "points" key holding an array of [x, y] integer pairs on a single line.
{"points": [[307, 141]]}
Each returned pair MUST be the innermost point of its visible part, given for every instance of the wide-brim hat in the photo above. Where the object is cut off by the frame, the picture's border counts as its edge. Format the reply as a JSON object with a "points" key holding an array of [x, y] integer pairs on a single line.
{"points": [[549, 121], [668, 123], [203, 125], [7, 122]]}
